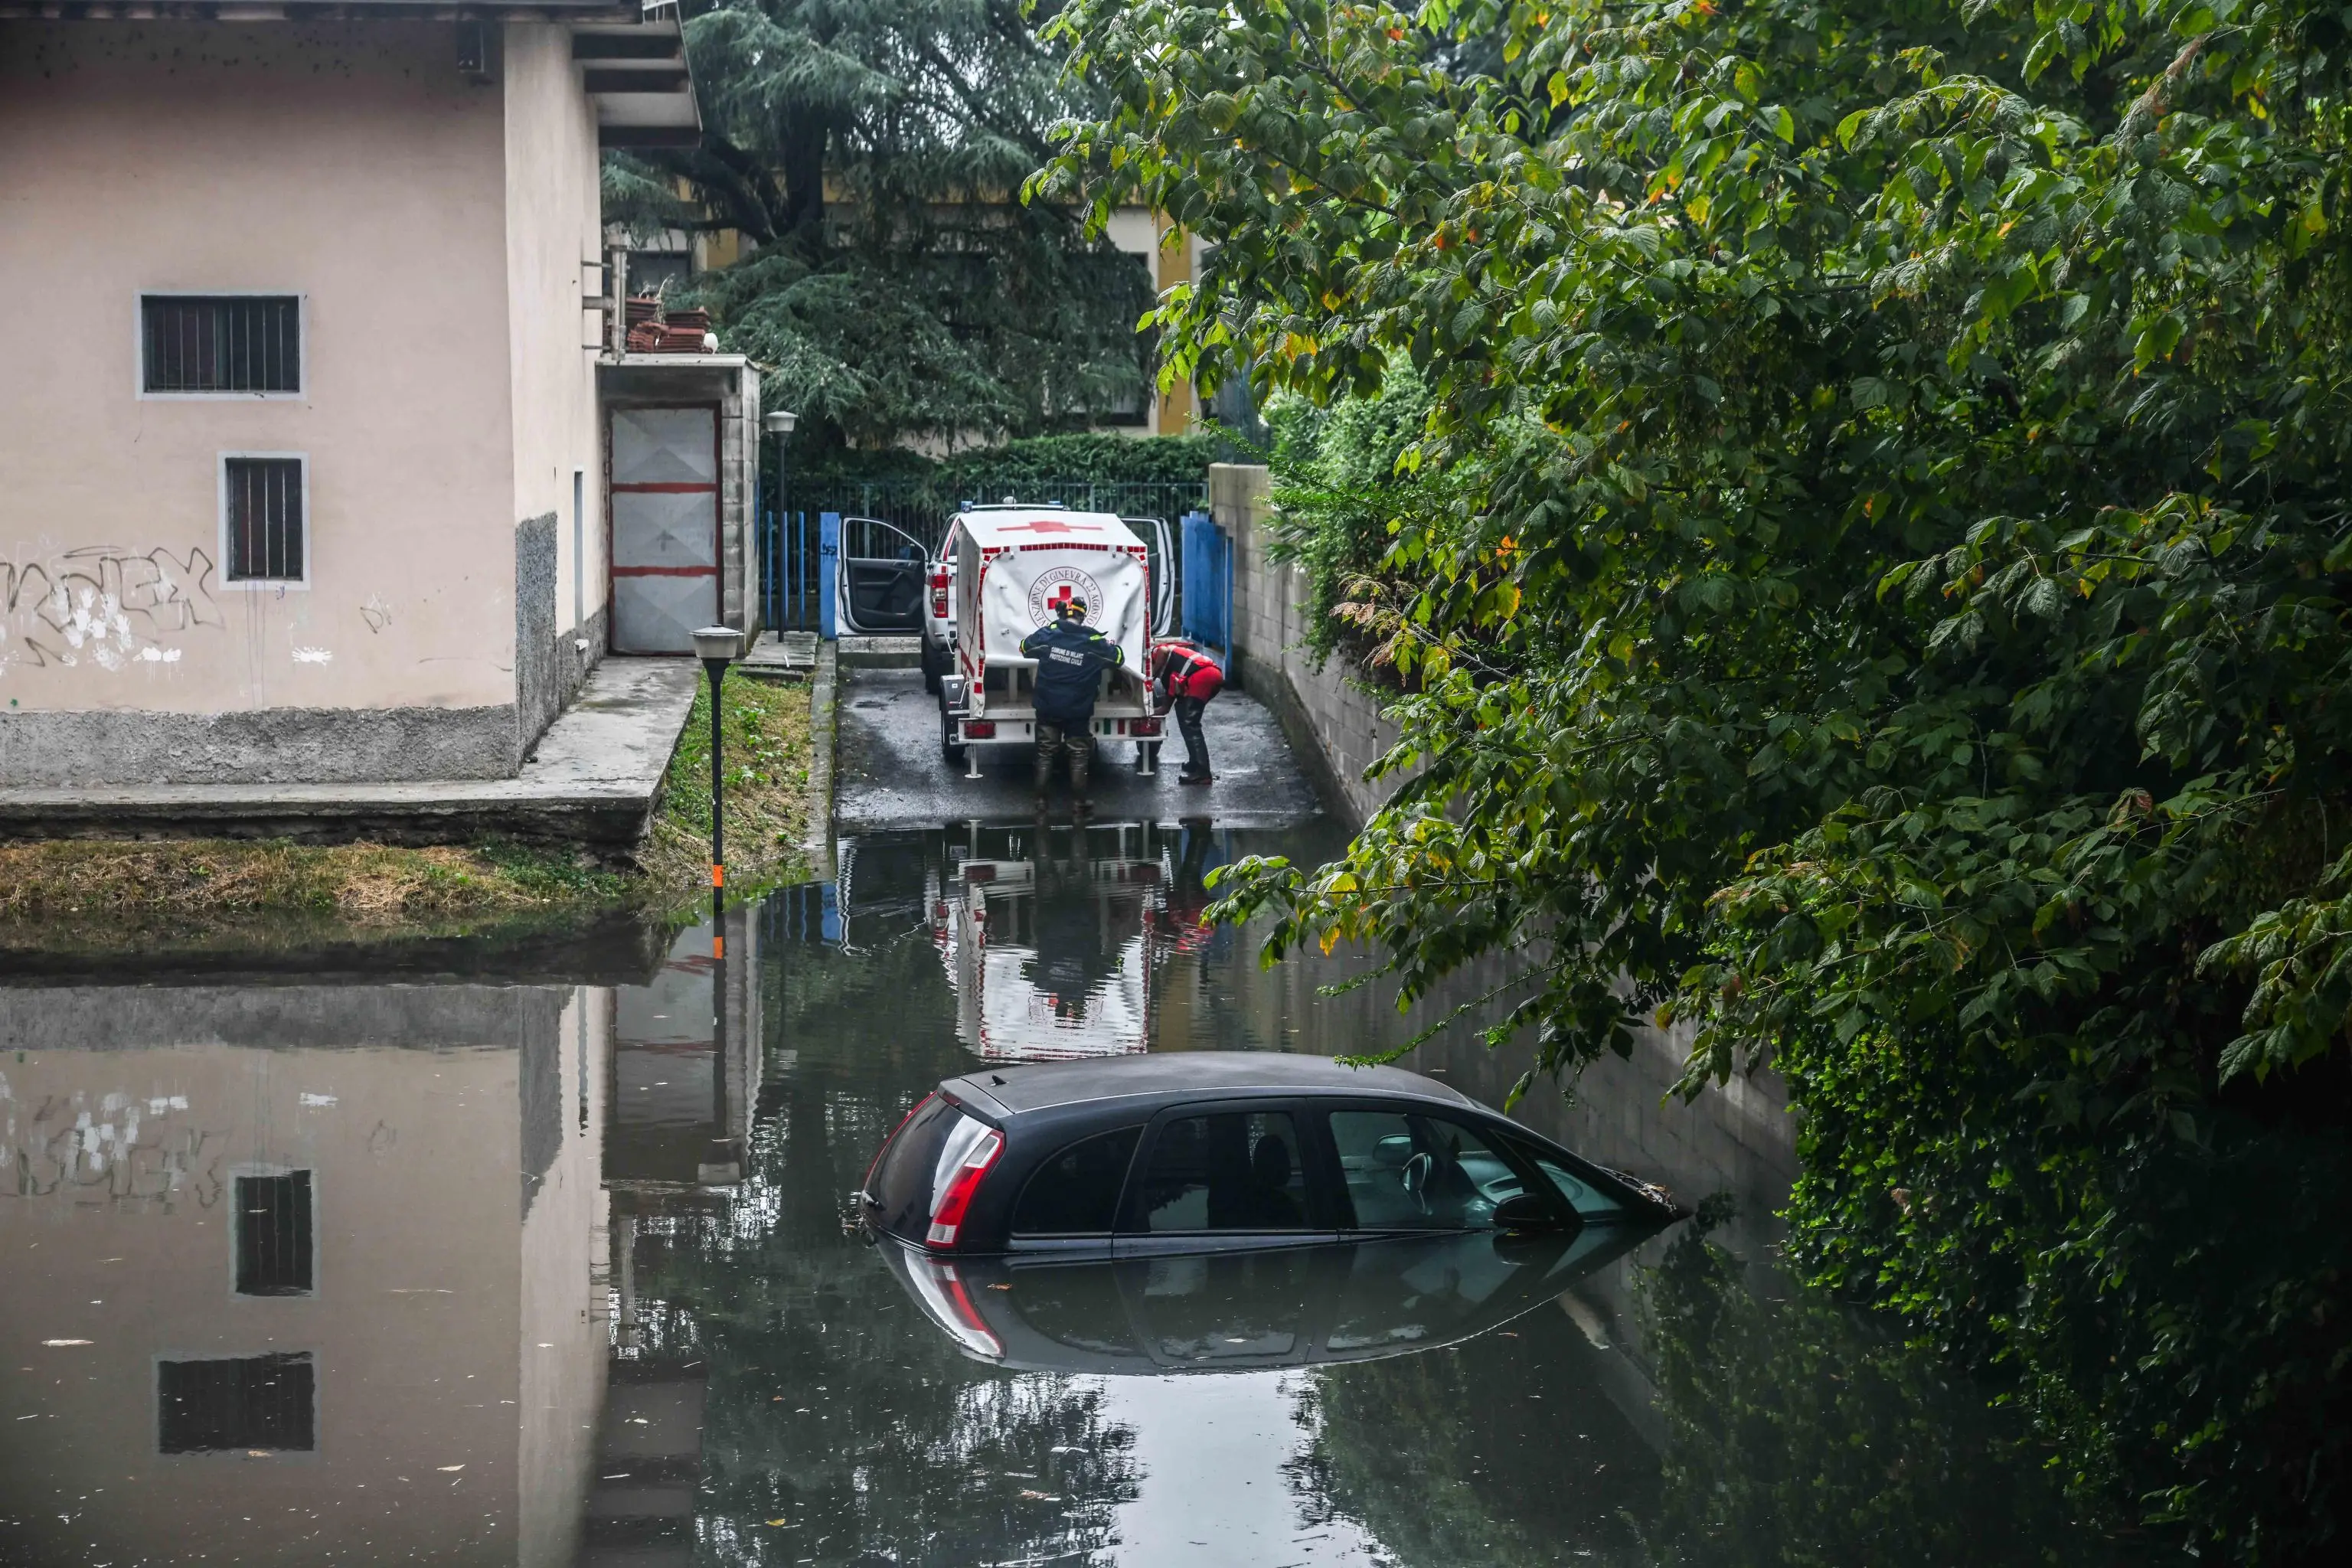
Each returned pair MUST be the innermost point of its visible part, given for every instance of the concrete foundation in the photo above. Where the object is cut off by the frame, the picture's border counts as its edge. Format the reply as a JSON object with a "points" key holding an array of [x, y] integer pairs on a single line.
{"points": [[592, 780], [263, 746]]}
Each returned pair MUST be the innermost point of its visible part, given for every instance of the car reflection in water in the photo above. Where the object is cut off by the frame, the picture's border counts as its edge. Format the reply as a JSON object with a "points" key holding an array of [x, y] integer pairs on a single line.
{"points": [[1249, 1312], [1052, 938]]}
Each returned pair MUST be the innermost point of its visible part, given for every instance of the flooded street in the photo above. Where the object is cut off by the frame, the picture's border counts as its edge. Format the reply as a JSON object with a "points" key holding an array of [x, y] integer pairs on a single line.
{"points": [[427, 1268]]}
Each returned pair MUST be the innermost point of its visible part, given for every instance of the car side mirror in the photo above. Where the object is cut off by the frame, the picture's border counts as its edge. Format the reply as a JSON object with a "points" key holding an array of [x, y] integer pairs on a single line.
{"points": [[1529, 1213]]}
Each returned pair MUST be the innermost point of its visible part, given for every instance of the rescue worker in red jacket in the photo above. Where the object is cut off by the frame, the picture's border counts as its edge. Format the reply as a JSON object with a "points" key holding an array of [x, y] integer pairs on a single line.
{"points": [[1187, 677]]}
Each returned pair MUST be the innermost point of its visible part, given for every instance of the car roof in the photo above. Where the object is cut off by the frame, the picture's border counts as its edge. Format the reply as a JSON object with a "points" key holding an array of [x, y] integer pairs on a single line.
{"points": [[1019, 527], [1045, 1086]]}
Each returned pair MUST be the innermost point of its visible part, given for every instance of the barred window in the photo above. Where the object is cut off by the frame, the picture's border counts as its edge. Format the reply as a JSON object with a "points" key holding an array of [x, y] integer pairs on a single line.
{"points": [[221, 343], [256, 1402], [273, 1234], [262, 507]]}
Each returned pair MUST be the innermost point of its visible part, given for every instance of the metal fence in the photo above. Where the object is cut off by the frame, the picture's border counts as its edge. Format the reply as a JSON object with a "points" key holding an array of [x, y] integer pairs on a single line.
{"points": [[790, 536]]}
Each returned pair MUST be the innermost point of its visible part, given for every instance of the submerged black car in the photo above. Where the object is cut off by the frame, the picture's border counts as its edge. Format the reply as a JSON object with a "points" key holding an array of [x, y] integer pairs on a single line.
{"points": [[1153, 1155]]}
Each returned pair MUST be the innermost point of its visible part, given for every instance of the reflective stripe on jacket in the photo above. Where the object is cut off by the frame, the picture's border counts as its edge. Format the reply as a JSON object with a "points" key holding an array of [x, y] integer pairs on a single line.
{"points": [[1186, 670]]}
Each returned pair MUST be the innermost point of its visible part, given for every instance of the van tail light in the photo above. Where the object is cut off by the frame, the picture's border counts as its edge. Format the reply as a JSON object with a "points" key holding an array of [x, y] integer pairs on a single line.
{"points": [[1144, 726], [980, 729], [953, 1197], [938, 595]]}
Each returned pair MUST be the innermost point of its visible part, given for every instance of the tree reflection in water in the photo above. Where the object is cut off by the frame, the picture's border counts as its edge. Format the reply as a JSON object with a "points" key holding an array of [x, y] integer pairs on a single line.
{"points": [[1800, 1430]]}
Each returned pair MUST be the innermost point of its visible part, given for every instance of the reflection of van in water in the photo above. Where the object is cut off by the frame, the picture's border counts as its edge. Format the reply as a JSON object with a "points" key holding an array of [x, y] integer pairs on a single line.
{"points": [[1049, 960]]}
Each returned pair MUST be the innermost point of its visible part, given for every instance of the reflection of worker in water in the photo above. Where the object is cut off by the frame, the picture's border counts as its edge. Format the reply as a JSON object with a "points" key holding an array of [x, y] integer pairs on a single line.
{"points": [[1185, 917], [1071, 656], [1073, 955], [1187, 678]]}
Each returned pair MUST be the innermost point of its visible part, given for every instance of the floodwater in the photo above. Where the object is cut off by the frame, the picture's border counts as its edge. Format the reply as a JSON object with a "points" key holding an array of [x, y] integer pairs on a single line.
{"points": [[548, 1267]]}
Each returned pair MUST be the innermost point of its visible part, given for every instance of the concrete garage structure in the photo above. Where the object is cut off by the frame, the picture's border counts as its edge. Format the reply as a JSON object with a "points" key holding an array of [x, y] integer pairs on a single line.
{"points": [[305, 458]]}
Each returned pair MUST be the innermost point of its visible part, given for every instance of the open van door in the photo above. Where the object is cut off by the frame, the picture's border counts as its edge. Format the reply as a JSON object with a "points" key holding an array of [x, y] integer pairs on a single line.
{"points": [[1160, 555], [880, 586]]}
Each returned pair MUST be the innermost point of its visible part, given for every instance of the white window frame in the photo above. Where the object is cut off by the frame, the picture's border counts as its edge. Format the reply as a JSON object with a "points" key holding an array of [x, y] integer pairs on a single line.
{"points": [[302, 345], [310, 535]]}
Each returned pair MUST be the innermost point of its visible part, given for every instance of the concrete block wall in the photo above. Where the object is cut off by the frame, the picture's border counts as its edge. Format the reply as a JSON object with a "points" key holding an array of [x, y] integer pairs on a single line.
{"points": [[1334, 720]]}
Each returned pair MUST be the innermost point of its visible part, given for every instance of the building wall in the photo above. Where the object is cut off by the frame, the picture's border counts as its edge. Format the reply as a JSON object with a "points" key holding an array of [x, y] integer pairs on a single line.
{"points": [[350, 163], [1335, 721], [553, 226]]}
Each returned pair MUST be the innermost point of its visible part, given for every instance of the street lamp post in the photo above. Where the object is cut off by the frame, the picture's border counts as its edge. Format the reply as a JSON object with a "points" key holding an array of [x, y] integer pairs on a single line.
{"points": [[717, 646]]}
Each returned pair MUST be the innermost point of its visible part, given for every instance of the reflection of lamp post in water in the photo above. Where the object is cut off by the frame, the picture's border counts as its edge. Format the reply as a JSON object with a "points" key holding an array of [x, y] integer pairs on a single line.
{"points": [[717, 646]]}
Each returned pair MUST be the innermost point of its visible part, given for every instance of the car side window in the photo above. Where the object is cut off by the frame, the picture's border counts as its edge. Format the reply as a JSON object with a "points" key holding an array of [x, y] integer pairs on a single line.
{"points": [[1404, 1171], [1075, 1193], [1235, 1171]]}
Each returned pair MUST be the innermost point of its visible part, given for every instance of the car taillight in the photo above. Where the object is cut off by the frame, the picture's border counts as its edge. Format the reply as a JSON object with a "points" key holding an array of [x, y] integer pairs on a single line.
{"points": [[980, 729], [939, 593], [951, 1199], [1145, 727]]}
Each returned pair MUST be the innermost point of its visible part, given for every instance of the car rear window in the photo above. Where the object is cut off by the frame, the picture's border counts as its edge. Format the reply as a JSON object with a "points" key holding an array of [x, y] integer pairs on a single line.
{"points": [[902, 1189]]}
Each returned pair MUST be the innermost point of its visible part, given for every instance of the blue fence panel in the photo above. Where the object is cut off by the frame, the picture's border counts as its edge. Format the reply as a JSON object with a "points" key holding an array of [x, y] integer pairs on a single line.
{"points": [[1208, 583], [788, 588], [828, 575]]}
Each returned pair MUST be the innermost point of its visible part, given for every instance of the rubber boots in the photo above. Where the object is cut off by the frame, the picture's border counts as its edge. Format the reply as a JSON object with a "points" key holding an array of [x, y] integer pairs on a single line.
{"points": [[1047, 749]]}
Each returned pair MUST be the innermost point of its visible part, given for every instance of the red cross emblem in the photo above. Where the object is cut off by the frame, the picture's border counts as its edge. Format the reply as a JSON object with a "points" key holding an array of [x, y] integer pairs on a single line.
{"points": [[1060, 596], [1054, 525]]}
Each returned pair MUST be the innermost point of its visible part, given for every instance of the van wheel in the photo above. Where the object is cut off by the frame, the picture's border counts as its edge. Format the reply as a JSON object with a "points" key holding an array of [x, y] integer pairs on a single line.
{"points": [[935, 665], [951, 750]]}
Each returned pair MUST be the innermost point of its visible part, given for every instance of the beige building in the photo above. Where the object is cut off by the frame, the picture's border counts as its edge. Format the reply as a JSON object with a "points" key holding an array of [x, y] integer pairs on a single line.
{"points": [[306, 468]]}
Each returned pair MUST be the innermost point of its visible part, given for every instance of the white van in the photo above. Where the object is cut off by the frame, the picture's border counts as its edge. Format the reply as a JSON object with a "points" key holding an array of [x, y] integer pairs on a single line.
{"points": [[1009, 566]]}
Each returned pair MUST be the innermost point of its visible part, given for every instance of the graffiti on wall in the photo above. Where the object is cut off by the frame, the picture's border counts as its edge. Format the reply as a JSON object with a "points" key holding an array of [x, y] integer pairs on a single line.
{"points": [[117, 1148], [111, 606]]}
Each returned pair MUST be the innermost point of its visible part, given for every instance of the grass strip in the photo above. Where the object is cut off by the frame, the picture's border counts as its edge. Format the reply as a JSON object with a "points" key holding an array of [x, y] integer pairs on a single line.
{"points": [[174, 894]]}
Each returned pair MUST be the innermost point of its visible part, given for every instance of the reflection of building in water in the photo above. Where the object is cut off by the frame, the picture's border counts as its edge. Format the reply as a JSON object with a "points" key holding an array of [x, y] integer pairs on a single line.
{"points": [[1052, 938], [316, 1270], [684, 1088], [685, 1080]]}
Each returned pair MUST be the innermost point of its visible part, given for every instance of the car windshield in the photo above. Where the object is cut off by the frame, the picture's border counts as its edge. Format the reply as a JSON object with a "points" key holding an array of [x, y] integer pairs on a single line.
{"points": [[1407, 1172]]}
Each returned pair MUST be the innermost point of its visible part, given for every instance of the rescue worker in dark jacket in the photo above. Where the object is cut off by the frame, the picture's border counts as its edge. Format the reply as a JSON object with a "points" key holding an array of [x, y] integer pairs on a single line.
{"points": [[1071, 656], [1188, 677]]}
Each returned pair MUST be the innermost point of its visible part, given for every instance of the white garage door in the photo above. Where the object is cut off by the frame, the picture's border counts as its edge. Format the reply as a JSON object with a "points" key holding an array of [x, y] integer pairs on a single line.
{"points": [[665, 512]]}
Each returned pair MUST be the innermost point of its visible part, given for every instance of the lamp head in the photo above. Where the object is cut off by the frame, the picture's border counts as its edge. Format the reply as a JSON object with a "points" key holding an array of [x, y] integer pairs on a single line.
{"points": [[781, 421], [718, 645]]}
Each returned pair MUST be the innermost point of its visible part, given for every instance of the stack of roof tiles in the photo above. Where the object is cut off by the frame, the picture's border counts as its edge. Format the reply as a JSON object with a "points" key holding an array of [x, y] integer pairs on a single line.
{"points": [[653, 331]]}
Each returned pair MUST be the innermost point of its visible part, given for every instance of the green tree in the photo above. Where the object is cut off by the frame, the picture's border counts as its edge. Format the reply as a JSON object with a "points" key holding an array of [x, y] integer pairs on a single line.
{"points": [[1882, 609], [871, 151]]}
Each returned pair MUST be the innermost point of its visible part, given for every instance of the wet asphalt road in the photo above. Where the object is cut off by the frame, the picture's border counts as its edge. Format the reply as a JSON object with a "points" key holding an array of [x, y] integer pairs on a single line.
{"points": [[890, 774]]}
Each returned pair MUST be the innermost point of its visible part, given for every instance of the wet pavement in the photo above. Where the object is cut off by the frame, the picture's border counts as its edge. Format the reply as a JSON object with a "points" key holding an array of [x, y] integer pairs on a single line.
{"points": [[891, 773], [392, 1271]]}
